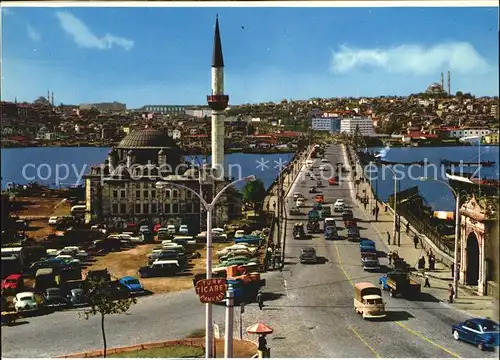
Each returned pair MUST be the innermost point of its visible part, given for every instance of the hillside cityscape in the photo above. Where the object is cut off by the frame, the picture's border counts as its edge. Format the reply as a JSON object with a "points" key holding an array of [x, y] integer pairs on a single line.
{"points": [[431, 116]]}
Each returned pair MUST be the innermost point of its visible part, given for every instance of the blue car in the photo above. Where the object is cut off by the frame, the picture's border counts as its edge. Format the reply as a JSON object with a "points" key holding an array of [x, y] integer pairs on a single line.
{"points": [[484, 333], [132, 285]]}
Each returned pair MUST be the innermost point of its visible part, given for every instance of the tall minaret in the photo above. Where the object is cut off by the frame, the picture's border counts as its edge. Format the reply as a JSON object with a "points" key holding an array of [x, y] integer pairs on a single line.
{"points": [[217, 101]]}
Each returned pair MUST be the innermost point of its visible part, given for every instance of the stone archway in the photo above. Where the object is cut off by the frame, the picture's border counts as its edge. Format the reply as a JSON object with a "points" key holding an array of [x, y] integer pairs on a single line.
{"points": [[472, 258]]}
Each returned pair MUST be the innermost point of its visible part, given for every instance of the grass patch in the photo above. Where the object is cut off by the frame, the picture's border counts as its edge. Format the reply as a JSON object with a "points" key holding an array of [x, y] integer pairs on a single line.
{"points": [[175, 351]]}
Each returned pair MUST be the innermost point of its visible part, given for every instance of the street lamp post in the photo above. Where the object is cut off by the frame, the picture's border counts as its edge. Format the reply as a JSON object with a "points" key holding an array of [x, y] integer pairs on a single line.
{"points": [[209, 208], [395, 205], [457, 231]]}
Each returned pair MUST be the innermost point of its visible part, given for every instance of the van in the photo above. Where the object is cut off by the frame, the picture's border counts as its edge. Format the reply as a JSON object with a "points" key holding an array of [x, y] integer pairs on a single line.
{"points": [[368, 301]]}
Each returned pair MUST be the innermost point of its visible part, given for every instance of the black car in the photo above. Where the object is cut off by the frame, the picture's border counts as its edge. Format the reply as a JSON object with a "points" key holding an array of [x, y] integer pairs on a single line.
{"points": [[53, 298], [77, 297], [160, 268], [347, 214], [308, 256]]}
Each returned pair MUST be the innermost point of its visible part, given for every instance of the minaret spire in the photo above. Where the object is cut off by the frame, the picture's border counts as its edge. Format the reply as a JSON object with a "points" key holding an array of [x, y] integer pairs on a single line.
{"points": [[217, 58]]}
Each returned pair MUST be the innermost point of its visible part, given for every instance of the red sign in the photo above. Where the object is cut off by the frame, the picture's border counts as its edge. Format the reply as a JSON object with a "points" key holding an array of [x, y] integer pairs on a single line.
{"points": [[211, 290]]}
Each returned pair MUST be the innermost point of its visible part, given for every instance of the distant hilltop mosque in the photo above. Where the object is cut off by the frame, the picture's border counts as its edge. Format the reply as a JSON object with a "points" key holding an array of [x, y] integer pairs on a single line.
{"points": [[438, 88]]}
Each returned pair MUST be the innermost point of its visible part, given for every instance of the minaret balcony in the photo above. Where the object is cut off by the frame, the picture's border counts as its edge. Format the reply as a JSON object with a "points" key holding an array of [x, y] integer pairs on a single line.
{"points": [[218, 102]]}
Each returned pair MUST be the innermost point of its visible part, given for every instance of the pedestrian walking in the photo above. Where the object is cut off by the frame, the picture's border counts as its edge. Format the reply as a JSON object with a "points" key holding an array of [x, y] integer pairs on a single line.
{"points": [[373, 211], [389, 256], [386, 208], [408, 228], [427, 282], [415, 240], [451, 293], [260, 299], [377, 209], [365, 202], [388, 238]]}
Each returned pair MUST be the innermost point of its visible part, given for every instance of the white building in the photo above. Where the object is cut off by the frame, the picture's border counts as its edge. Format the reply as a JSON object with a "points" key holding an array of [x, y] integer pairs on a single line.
{"points": [[330, 124], [176, 134], [460, 133], [349, 125]]}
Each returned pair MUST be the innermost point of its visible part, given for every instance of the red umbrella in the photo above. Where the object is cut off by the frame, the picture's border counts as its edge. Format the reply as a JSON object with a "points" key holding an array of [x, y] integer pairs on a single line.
{"points": [[259, 328]]}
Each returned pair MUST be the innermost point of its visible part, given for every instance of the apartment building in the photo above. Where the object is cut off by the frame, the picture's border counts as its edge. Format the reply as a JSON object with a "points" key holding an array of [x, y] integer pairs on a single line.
{"points": [[330, 124], [349, 125]]}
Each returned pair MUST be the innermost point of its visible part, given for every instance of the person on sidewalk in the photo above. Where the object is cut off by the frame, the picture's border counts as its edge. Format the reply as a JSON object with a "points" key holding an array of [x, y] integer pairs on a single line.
{"points": [[388, 238], [260, 299], [377, 209], [365, 202], [386, 208], [421, 263], [415, 241], [432, 262], [373, 212], [389, 256], [427, 283], [407, 228], [451, 294]]}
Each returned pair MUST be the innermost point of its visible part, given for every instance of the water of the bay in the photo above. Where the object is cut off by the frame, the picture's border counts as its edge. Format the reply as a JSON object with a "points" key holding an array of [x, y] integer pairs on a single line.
{"points": [[437, 195], [45, 165]]}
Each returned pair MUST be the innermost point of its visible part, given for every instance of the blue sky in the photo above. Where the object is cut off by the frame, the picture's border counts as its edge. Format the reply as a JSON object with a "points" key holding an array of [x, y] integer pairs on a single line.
{"points": [[162, 55]]}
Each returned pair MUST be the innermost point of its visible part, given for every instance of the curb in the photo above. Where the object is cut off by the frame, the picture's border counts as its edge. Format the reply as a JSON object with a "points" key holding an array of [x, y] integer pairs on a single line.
{"points": [[196, 342]]}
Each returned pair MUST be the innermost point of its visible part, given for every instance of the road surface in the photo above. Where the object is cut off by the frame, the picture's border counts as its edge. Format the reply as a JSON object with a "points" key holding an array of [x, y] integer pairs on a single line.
{"points": [[321, 296]]}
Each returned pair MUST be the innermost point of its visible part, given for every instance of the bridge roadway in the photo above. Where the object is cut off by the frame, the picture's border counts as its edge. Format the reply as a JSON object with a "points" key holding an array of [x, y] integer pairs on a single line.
{"points": [[322, 295], [311, 310]]}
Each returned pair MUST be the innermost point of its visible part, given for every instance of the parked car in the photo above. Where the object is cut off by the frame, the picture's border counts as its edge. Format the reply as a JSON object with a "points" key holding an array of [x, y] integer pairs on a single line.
{"points": [[297, 195], [300, 202], [53, 298], [171, 229], [294, 210], [183, 229], [308, 256], [53, 220], [144, 228], [132, 285], [483, 333], [13, 284], [25, 302], [160, 268], [77, 297]]}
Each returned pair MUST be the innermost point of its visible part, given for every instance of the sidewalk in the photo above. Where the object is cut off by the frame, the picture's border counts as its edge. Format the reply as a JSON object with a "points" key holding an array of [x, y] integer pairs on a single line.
{"points": [[440, 278]]}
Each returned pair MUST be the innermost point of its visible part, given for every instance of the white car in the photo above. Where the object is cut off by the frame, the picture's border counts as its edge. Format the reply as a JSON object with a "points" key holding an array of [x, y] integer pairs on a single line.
{"points": [[300, 202], [171, 229], [297, 195], [25, 301], [324, 160], [53, 220], [183, 229], [339, 205], [321, 168]]}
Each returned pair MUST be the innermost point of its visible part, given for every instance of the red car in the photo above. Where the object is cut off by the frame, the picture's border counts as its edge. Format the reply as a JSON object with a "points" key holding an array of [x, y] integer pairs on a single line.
{"points": [[13, 284]]}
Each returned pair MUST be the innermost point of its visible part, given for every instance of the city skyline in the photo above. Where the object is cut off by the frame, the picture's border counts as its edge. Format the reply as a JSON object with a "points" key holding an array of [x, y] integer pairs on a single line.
{"points": [[87, 55]]}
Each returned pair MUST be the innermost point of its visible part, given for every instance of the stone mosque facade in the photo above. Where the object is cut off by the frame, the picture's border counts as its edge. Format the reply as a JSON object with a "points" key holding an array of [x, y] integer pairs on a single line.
{"points": [[122, 190]]}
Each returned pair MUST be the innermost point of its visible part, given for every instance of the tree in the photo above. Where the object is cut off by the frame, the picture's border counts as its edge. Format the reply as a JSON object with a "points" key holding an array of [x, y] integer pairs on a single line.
{"points": [[101, 302], [254, 192]]}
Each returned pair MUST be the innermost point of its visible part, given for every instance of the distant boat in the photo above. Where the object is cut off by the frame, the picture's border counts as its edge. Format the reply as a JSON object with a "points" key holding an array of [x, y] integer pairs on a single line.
{"points": [[384, 162], [468, 163]]}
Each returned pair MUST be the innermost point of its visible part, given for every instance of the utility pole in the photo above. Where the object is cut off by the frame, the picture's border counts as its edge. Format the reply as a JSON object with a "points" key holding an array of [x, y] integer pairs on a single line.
{"points": [[228, 341], [281, 217]]}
